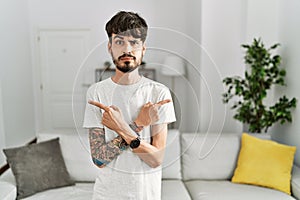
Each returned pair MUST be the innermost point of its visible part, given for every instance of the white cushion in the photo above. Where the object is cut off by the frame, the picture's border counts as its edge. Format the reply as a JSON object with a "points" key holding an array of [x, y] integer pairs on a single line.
{"points": [[171, 167], [209, 156], [76, 153], [174, 190], [81, 191], [226, 190]]}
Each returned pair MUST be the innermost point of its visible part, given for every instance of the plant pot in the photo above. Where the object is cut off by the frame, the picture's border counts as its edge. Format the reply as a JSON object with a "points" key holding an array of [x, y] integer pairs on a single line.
{"points": [[264, 136]]}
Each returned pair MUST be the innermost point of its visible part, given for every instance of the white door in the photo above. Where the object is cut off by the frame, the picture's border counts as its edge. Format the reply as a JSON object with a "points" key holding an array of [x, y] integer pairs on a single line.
{"points": [[61, 54]]}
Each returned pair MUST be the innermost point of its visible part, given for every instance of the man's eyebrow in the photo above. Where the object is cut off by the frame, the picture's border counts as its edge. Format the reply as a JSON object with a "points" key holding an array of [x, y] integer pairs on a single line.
{"points": [[135, 40], [120, 37]]}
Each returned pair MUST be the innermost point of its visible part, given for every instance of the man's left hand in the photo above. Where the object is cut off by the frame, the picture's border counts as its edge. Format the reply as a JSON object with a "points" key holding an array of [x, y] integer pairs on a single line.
{"points": [[148, 114]]}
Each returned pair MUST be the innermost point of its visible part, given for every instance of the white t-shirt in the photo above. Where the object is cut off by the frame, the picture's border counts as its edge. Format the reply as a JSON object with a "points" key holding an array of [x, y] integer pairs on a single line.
{"points": [[127, 176]]}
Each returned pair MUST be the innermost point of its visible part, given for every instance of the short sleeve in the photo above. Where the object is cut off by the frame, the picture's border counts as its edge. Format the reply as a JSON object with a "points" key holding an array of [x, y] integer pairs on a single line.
{"points": [[92, 114], [166, 111]]}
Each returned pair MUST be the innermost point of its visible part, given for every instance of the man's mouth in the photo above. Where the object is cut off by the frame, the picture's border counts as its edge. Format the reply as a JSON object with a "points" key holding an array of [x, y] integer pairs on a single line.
{"points": [[126, 57]]}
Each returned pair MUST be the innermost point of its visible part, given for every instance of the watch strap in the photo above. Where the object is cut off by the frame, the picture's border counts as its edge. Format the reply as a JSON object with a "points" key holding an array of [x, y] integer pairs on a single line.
{"points": [[135, 127]]}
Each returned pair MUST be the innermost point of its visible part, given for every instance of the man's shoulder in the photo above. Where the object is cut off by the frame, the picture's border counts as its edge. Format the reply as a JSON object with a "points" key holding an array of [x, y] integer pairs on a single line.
{"points": [[102, 83], [155, 84]]}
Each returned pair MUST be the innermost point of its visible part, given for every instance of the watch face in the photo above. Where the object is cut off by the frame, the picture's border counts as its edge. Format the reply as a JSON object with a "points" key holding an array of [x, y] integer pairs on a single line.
{"points": [[135, 143]]}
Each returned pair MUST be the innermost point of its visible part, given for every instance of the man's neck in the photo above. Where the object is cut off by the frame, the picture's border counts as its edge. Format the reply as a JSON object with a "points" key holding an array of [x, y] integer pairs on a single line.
{"points": [[126, 78]]}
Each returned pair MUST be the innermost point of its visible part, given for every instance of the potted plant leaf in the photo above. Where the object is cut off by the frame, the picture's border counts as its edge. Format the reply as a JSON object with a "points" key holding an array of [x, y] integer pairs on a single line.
{"points": [[249, 93]]}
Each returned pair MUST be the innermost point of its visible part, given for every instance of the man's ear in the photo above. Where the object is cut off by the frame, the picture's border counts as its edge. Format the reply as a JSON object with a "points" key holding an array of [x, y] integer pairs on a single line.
{"points": [[143, 49], [109, 47]]}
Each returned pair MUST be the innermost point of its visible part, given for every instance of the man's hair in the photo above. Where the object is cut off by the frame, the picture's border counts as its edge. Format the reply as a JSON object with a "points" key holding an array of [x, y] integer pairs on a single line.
{"points": [[127, 24]]}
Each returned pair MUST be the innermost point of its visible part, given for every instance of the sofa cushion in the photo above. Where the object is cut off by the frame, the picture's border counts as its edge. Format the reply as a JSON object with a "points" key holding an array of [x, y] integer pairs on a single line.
{"points": [[209, 157], [265, 163], [226, 190], [81, 191], [174, 190], [76, 153], [171, 167], [38, 167]]}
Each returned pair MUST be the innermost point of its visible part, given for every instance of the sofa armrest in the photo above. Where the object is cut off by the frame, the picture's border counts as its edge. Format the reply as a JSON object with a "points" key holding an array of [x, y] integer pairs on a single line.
{"points": [[8, 191], [296, 182]]}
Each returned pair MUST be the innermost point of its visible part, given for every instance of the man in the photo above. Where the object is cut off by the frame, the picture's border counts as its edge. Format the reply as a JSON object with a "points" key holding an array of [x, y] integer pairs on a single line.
{"points": [[127, 117]]}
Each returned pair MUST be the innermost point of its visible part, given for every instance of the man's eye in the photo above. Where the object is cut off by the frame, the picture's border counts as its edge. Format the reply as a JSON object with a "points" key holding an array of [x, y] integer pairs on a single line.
{"points": [[134, 42], [119, 42]]}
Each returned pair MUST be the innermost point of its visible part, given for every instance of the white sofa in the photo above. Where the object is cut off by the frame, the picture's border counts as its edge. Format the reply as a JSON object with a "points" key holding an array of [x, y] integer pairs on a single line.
{"points": [[197, 166]]}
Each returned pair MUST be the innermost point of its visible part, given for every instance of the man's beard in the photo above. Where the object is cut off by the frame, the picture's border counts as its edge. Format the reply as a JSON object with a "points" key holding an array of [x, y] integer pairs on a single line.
{"points": [[128, 66]]}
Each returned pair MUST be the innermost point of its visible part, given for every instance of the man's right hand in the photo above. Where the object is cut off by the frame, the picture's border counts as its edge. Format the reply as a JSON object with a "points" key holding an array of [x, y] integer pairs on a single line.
{"points": [[149, 113]]}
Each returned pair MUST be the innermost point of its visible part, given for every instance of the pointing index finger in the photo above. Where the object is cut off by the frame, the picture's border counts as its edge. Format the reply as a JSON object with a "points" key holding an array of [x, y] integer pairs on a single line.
{"points": [[99, 105], [160, 103]]}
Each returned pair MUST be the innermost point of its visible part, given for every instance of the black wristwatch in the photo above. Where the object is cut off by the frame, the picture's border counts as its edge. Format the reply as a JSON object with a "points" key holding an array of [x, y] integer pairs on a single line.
{"points": [[135, 143]]}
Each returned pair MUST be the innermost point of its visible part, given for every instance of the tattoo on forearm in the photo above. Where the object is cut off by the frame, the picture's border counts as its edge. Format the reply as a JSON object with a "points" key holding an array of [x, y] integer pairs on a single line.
{"points": [[102, 152]]}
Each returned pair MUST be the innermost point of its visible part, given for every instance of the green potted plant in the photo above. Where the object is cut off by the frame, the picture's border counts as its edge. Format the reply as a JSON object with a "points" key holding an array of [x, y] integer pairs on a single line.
{"points": [[249, 93]]}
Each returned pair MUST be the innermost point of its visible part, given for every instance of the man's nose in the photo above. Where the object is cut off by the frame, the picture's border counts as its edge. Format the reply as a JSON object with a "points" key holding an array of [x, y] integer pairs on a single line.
{"points": [[128, 47]]}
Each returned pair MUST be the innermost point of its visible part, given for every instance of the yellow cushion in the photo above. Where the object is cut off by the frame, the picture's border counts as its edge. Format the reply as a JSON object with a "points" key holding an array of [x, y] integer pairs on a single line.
{"points": [[264, 163]]}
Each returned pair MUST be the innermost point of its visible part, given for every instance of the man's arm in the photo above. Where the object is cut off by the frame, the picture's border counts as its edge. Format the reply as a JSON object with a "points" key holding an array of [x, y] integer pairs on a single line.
{"points": [[153, 154], [102, 152]]}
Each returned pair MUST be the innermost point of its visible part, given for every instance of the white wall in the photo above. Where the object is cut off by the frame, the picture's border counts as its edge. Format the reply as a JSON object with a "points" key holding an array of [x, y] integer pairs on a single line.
{"points": [[2, 133], [223, 32], [262, 24], [193, 29], [16, 73], [289, 31]]}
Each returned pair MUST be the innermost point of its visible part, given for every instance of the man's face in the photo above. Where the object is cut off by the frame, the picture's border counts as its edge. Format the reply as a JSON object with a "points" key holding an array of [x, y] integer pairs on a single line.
{"points": [[127, 52]]}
